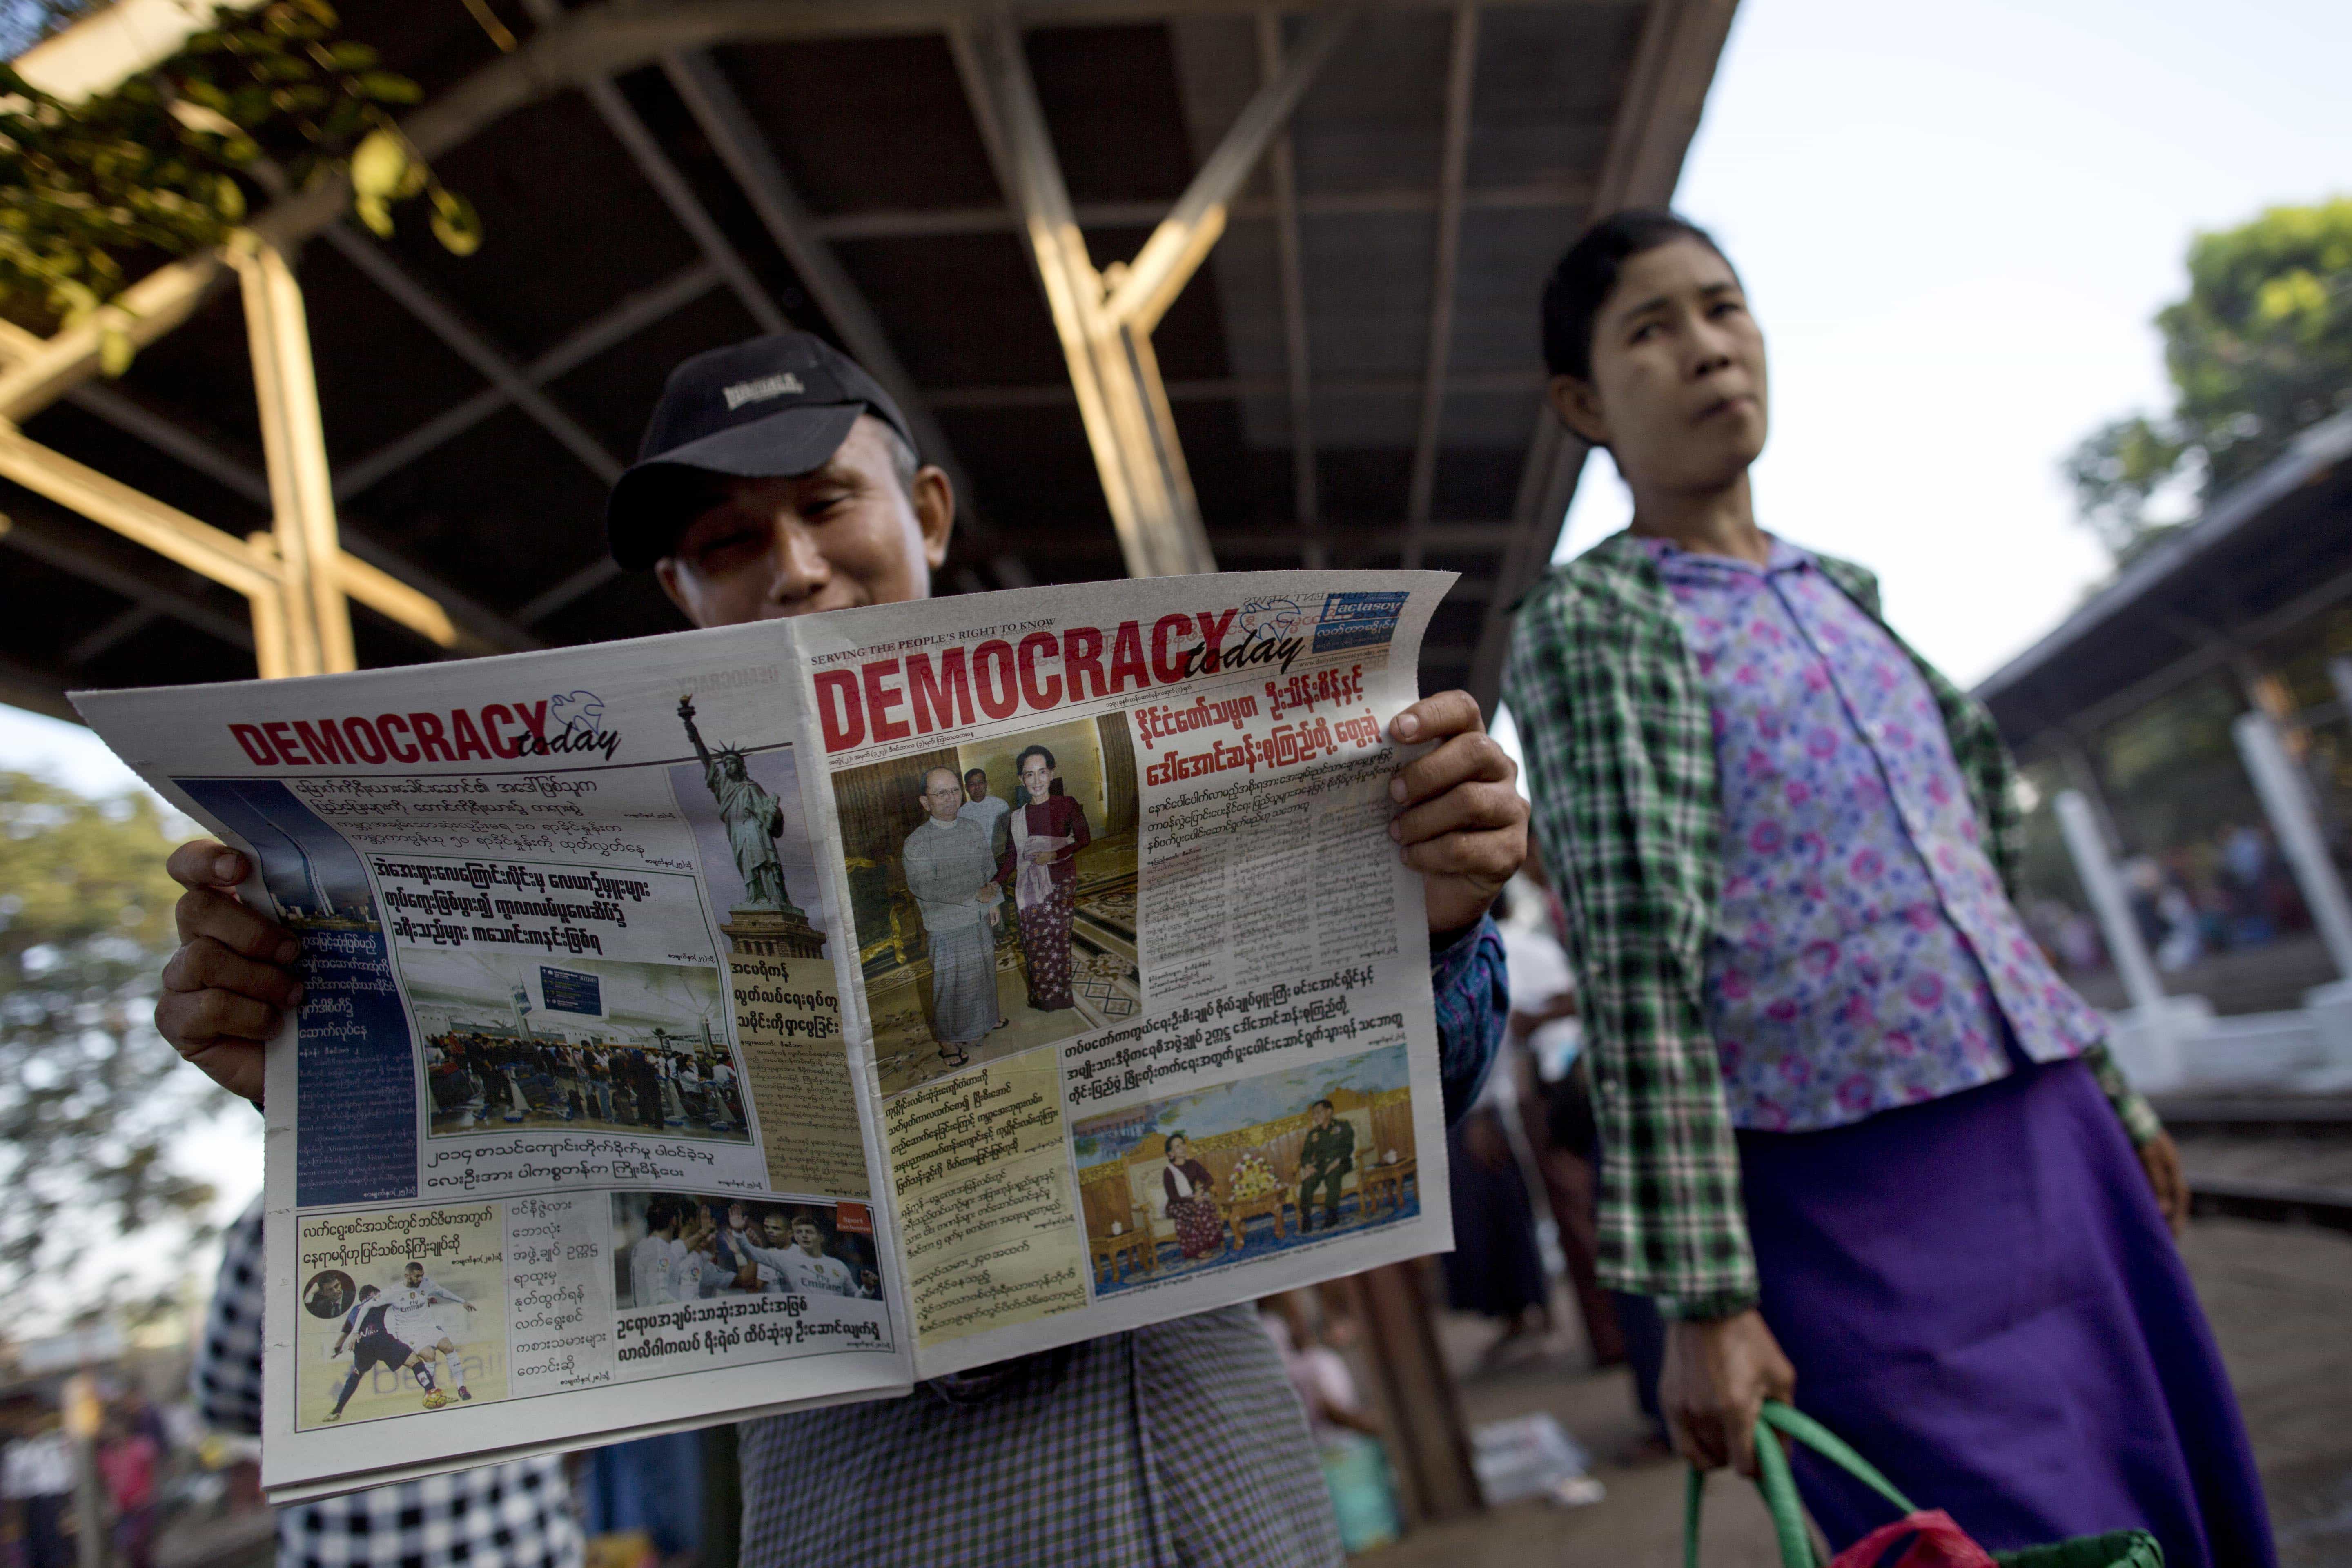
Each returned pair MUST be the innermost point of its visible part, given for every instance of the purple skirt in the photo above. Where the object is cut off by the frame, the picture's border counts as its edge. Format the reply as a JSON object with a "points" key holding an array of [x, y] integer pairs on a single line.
{"points": [[1980, 1295]]}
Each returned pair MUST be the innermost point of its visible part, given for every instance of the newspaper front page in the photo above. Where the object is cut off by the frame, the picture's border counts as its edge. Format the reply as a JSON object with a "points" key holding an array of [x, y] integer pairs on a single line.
{"points": [[1194, 1000], [567, 1139], [749, 1020]]}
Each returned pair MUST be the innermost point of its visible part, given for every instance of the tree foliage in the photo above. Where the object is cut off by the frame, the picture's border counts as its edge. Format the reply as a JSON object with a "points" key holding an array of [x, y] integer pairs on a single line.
{"points": [[91, 1098], [2260, 351], [164, 166]]}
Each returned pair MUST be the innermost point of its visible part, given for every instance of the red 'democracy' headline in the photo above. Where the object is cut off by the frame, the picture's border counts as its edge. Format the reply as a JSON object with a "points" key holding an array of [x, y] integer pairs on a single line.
{"points": [[495, 731], [898, 696]]}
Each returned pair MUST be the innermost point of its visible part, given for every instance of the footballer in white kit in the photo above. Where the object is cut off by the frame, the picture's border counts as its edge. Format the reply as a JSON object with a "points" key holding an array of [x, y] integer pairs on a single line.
{"points": [[804, 1267], [412, 1317]]}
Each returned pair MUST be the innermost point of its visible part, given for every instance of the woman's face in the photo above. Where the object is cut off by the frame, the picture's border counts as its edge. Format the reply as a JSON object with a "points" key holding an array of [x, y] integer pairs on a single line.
{"points": [[1178, 1148], [1036, 777], [1678, 393]]}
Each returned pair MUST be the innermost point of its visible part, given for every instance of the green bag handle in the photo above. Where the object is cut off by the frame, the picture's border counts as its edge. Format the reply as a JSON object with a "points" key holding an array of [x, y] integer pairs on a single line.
{"points": [[1779, 1483]]}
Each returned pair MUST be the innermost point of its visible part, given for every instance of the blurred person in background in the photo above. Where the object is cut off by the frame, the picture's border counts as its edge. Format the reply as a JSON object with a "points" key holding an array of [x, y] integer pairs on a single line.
{"points": [[36, 1481], [127, 1457], [1546, 1043], [1311, 1334], [1860, 1143]]}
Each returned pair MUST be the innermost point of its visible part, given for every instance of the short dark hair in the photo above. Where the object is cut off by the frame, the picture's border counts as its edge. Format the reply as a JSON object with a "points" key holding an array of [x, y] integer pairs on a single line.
{"points": [[1029, 752], [1326, 1105], [1581, 284], [971, 774]]}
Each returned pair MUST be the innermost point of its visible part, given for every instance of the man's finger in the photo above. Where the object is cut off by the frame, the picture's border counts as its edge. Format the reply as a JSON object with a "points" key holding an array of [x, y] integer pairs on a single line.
{"points": [[1487, 858], [203, 912], [206, 863], [193, 1019], [1437, 716], [205, 964], [1463, 758], [234, 1065], [1468, 807]]}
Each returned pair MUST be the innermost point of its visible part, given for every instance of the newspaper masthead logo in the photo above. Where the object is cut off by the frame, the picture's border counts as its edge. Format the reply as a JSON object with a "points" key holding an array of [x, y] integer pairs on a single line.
{"points": [[564, 723], [1039, 671]]}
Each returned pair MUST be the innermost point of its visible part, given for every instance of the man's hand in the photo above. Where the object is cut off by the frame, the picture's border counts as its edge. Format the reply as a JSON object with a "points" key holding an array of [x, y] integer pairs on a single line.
{"points": [[1460, 820], [995, 917], [1715, 1378], [226, 991], [2161, 1157]]}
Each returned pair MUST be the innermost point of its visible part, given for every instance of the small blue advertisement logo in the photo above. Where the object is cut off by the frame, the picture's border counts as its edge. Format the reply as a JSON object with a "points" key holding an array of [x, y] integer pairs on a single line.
{"points": [[1357, 620]]}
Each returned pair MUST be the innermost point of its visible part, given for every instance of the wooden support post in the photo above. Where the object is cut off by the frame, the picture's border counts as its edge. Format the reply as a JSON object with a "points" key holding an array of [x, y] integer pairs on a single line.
{"points": [[317, 617], [1137, 455], [1104, 318], [1421, 1417]]}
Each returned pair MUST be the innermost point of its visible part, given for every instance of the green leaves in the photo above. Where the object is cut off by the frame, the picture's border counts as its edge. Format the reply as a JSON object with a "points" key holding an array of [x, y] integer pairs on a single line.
{"points": [[2260, 351], [453, 223], [93, 1106], [379, 165], [91, 192]]}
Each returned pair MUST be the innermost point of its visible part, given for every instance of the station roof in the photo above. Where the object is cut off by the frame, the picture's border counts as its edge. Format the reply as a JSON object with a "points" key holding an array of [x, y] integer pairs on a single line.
{"points": [[2274, 551], [476, 407]]}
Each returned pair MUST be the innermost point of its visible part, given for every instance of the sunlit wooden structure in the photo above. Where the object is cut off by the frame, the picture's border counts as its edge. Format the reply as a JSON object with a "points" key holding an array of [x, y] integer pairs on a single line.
{"points": [[1165, 284]]}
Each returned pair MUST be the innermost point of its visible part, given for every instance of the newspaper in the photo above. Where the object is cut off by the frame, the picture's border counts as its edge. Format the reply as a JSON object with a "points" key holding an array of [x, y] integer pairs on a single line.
{"points": [[748, 1020]]}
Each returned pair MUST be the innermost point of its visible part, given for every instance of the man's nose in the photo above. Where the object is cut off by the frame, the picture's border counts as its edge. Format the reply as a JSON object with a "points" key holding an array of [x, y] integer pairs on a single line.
{"points": [[800, 567]]}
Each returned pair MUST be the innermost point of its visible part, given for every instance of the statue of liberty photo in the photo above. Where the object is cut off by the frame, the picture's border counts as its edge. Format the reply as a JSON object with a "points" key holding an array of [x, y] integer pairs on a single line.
{"points": [[753, 819]]}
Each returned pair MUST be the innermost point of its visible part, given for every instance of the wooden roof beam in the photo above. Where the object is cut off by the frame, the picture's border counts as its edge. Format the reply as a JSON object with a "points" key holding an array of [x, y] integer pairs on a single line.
{"points": [[374, 575], [620, 323], [717, 108], [1461, 74], [1184, 237], [1281, 172], [444, 321], [671, 185], [52, 546], [935, 223]]}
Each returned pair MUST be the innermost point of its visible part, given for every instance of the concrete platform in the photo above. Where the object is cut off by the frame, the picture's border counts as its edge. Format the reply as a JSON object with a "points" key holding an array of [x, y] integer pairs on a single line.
{"points": [[2280, 1297]]}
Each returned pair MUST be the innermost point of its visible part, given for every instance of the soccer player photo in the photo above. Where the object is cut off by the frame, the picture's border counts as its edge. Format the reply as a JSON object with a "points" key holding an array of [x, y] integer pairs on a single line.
{"points": [[425, 1328], [678, 1247]]}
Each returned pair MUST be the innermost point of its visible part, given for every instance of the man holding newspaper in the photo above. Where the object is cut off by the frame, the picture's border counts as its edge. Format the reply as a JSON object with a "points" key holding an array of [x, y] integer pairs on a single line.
{"points": [[777, 478]]}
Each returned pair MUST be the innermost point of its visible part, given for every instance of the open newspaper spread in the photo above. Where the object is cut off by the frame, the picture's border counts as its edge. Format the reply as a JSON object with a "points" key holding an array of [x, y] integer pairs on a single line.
{"points": [[748, 1020]]}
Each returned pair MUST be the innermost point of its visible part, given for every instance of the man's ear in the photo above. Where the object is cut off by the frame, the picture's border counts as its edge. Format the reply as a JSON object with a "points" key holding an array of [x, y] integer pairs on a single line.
{"points": [[666, 570], [935, 508], [1577, 404]]}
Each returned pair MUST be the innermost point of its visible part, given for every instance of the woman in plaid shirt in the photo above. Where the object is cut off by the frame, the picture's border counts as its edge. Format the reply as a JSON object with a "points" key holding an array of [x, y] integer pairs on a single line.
{"points": [[1859, 1139]]}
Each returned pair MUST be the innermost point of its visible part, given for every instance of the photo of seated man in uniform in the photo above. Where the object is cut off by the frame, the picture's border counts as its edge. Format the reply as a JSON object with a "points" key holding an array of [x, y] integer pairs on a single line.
{"points": [[1327, 1155], [1237, 1170], [967, 962]]}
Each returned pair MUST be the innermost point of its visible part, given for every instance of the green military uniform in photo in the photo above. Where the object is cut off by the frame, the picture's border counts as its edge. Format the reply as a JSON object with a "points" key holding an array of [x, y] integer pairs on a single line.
{"points": [[1328, 1154]]}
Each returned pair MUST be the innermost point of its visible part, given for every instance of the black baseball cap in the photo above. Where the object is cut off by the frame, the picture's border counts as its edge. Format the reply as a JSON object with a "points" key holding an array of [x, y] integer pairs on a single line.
{"points": [[763, 408]]}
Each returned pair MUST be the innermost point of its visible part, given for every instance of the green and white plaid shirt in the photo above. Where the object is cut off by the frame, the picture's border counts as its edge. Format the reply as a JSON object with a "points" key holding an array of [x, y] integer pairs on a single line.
{"points": [[1619, 738]]}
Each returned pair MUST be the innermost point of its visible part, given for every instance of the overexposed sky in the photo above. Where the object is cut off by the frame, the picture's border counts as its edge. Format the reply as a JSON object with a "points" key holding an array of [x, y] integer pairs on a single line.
{"points": [[1955, 223]]}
